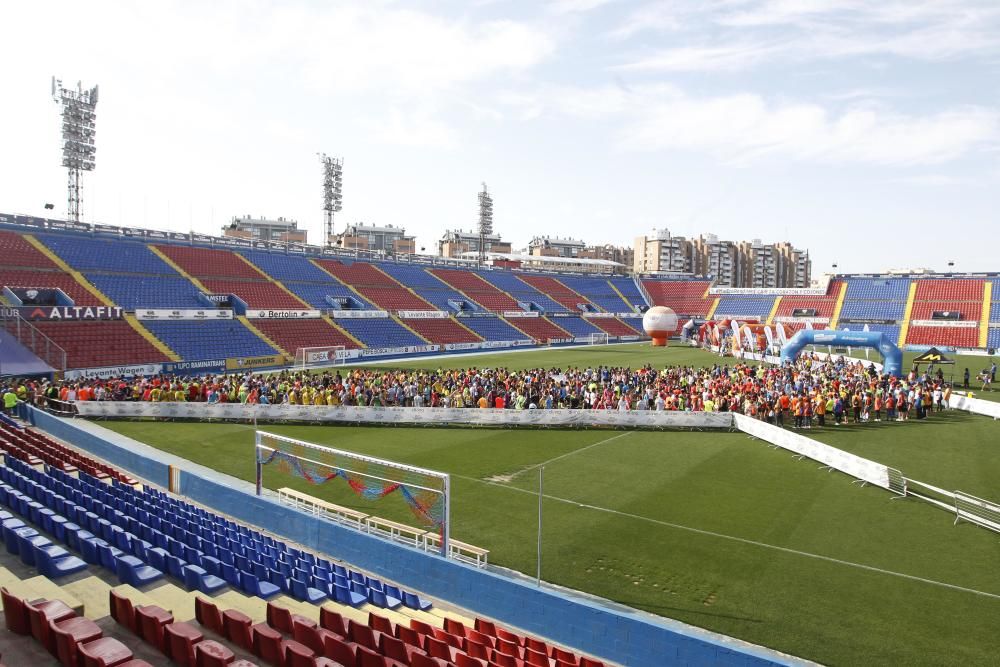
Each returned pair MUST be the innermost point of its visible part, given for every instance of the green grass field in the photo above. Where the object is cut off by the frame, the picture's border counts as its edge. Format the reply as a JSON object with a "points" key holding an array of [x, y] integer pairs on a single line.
{"points": [[713, 529]]}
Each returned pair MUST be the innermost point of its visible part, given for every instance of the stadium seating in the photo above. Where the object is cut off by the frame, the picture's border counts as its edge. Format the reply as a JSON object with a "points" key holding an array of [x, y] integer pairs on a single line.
{"points": [[106, 255], [255, 293], [315, 295], [293, 334], [823, 305], [686, 298], [35, 447], [429, 287], [209, 262], [945, 336], [478, 289], [576, 326], [376, 286], [890, 330], [284, 267], [993, 338], [614, 326], [952, 289], [558, 292], [134, 292], [15, 251], [873, 310], [600, 292], [744, 306], [50, 280], [441, 330], [540, 329], [511, 283], [493, 328], [877, 289], [380, 332], [217, 339], [629, 290], [96, 344]]}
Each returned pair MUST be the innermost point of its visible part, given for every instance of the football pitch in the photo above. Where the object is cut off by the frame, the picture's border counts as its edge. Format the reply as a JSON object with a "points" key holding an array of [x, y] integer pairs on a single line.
{"points": [[711, 528]]}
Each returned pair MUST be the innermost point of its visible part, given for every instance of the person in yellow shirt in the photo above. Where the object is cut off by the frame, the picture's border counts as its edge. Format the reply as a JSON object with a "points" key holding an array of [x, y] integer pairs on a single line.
{"points": [[483, 403]]}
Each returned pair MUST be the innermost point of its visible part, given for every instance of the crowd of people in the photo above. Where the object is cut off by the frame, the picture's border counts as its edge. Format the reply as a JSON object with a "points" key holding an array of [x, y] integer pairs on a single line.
{"points": [[800, 395]]}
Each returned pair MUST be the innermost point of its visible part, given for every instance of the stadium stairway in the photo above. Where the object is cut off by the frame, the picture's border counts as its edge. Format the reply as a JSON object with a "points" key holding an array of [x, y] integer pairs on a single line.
{"points": [[984, 317], [839, 305], [619, 293], [176, 267], [774, 311], [904, 329], [103, 298]]}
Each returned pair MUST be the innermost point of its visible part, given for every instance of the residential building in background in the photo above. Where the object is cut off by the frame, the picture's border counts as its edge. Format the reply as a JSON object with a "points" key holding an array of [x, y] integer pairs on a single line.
{"points": [[388, 239], [265, 229], [553, 246], [612, 253], [729, 263], [455, 242]]}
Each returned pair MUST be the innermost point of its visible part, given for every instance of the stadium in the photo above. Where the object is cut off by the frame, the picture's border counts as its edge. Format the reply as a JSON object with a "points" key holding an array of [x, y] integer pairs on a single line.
{"points": [[236, 447]]}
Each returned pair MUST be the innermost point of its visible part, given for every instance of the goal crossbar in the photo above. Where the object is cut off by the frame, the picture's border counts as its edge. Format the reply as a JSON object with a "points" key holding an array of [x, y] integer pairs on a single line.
{"points": [[325, 355]]}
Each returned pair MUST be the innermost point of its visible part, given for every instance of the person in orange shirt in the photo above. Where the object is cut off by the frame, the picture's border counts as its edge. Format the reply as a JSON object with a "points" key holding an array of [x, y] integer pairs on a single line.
{"points": [[820, 410]]}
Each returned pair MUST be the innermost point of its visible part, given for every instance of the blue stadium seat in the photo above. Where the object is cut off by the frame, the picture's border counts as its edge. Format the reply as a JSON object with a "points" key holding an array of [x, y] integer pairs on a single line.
{"points": [[209, 340], [493, 328], [106, 255], [577, 326], [380, 332]]}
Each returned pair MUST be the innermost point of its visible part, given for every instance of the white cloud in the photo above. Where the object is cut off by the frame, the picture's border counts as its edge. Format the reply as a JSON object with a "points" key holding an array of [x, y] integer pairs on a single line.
{"points": [[747, 34], [576, 6], [743, 128]]}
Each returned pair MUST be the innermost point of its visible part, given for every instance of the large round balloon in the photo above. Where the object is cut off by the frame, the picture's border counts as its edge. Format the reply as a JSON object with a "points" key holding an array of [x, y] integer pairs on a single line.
{"points": [[660, 323]]}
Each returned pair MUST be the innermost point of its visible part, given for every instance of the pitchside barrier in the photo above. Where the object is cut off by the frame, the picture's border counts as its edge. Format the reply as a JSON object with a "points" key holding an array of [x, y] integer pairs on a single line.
{"points": [[410, 416]]}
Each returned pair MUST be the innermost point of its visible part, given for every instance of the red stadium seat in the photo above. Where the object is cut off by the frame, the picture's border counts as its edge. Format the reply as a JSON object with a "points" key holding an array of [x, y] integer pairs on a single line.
{"points": [[208, 615], [180, 640], [236, 628]]}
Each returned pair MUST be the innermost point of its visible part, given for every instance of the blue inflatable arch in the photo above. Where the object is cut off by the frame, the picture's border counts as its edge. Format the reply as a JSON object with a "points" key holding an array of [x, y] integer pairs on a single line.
{"points": [[892, 358]]}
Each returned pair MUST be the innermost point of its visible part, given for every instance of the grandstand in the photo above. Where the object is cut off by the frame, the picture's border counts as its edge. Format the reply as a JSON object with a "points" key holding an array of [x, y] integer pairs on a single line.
{"points": [[101, 270]]}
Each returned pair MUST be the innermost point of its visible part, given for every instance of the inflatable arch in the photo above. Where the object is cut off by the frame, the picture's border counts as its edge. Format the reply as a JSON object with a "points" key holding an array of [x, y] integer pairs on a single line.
{"points": [[892, 358]]}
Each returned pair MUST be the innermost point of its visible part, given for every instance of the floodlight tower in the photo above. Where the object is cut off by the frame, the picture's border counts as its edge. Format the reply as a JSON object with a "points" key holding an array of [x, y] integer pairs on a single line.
{"points": [[333, 174], [485, 221], [79, 153]]}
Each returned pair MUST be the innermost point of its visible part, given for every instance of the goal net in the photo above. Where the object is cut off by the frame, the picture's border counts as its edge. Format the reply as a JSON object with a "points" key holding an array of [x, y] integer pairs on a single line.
{"points": [[311, 357], [427, 493], [598, 338]]}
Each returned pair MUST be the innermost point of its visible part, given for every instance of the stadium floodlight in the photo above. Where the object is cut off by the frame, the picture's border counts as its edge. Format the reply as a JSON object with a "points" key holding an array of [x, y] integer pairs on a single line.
{"points": [[79, 118], [333, 174], [485, 221]]}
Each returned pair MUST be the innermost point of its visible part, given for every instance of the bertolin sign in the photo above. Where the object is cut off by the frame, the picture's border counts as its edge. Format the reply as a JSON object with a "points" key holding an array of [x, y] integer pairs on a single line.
{"points": [[283, 314], [72, 313]]}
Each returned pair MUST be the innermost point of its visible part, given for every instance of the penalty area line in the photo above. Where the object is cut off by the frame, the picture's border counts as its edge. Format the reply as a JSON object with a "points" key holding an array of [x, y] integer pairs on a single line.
{"points": [[572, 453], [743, 540]]}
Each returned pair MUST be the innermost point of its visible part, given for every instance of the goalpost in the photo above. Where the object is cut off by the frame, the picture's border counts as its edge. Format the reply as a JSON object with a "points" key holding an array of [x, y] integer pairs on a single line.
{"points": [[327, 355], [427, 493], [598, 338]]}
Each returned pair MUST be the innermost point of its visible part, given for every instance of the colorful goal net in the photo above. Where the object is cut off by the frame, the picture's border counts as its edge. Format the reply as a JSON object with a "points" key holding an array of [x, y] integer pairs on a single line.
{"points": [[426, 493]]}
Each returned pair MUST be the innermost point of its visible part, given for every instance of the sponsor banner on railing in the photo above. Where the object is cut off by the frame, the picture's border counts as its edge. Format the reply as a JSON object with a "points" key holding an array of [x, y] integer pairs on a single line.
{"points": [[521, 313], [422, 314], [427, 416], [838, 459], [357, 314], [385, 351], [955, 324], [629, 338], [71, 313], [284, 314], [195, 367], [114, 371], [220, 299], [589, 315], [160, 314], [463, 346], [9, 312], [244, 363], [768, 291], [811, 320]]}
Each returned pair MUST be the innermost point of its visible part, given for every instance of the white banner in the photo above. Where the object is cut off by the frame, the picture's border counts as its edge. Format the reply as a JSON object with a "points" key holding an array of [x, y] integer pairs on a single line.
{"points": [[357, 314], [956, 324], [838, 459], [598, 314], [114, 371], [351, 414], [422, 314], [387, 351], [975, 405], [161, 314], [521, 313], [809, 320], [284, 314]]}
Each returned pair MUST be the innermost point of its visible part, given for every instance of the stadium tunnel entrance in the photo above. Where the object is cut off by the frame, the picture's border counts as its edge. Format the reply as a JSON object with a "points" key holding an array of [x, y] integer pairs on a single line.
{"points": [[892, 357]]}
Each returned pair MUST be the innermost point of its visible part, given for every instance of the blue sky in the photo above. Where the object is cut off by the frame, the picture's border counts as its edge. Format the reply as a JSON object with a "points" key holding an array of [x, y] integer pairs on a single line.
{"points": [[867, 132]]}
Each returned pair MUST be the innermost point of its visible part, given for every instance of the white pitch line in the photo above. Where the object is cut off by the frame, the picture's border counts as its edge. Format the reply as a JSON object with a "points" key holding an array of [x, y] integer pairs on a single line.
{"points": [[572, 453], [743, 540]]}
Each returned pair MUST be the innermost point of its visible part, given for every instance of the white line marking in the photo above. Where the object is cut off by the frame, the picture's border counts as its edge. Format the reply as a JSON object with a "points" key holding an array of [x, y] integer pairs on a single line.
{"points": [[572, 453], [743, 540]]}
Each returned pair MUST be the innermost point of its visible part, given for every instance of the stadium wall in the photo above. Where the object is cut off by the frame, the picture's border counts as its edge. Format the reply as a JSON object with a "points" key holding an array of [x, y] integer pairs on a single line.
{"points": [[625, 636]]}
